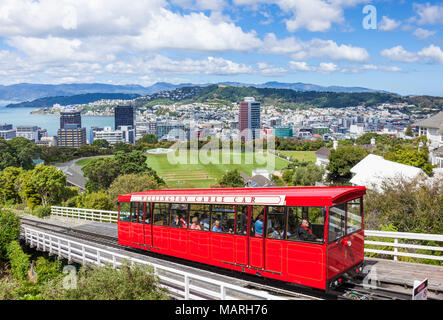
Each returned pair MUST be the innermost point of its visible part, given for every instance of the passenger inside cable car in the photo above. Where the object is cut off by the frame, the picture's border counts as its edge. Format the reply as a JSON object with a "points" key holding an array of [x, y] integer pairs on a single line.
{"points": [[195, 225], [217, 227], [242, 219]]}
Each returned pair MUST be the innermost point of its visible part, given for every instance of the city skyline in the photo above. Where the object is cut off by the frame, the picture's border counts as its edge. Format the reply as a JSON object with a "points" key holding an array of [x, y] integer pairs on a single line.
{"points": [[324, 42]]}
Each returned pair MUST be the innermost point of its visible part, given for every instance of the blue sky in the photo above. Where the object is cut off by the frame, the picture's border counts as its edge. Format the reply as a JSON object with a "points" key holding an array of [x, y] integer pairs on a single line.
{"points": [[313, 41]]}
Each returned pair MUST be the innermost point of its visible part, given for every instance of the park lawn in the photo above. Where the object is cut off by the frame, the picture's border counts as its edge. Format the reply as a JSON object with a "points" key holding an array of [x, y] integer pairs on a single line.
{"points": [[84, 162], [300, 155], [202, 174]]}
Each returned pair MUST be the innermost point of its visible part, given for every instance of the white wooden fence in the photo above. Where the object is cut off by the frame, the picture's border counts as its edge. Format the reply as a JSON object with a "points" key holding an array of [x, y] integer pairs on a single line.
{"points": [[396, 245], [85, 214], [178, 282], [111, 217]]}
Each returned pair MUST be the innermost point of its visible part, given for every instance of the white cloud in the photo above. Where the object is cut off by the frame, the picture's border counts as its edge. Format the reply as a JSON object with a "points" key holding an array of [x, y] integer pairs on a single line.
{"points": [[300, 66], [387, 24], [429, 14], [267, 69], [432, 54], [329, 67], [316, 48], [423, 33], [312, 15], [195, 31], [398, 53]]}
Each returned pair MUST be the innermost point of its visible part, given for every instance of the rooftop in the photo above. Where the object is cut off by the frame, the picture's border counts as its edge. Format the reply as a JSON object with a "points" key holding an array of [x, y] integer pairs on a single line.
{"points": [[435, 122]]}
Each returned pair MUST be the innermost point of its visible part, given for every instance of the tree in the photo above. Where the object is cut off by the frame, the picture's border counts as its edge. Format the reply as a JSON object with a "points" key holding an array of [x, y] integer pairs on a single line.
{"points": [[101, 173], [7, 158], [232, 178], [308, 175], [148, 138], [130, 183], [409, 131], [411, 157], [411, 206], [342, 160], [133, 162], [95, 200], [24, 151], [9, 229], [48, 182], [101, 143], [10, 184]]}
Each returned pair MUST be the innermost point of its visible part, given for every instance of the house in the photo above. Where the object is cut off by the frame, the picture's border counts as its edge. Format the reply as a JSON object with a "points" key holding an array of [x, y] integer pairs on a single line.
{"points": [[257, 181], [322, 155], [436, 157], [432, 127], [373, 170]]}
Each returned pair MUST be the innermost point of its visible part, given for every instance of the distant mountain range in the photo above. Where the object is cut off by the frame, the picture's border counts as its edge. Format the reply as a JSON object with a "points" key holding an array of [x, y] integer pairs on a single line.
{"points": [[27, 91]]}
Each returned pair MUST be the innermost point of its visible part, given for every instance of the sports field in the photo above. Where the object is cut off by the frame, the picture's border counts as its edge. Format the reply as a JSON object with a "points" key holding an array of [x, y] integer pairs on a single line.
{"points": [[300, 155], [202, 173]]}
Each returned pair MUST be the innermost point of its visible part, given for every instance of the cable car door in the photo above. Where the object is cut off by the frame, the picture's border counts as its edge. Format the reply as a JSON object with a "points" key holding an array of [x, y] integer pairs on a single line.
{"points": [[256, 239], [136, 228], [336, 233]]}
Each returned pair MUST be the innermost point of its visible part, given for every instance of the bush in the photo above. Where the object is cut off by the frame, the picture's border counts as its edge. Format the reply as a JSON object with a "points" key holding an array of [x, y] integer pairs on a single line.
{"points": [[41, 212], [9, 230], [47, 269], [19, 261], [7, 289], [106, 283]]}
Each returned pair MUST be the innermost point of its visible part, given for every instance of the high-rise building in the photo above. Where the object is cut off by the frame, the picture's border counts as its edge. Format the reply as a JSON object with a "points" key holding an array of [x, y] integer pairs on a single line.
{"points": [[249, 118], [6, 131], [71, 134], [28, 132], [124, 116], [70, 116]]}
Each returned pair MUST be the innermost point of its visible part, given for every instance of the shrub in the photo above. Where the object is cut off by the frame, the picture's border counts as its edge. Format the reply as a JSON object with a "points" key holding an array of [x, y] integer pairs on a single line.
{"points": [[9, 230], [47, 269], [106, 283], [41, 212], [19, 261]]}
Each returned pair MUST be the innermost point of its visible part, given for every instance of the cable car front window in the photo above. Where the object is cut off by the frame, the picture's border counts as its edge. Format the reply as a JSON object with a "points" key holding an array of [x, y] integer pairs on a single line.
{"points": [[337, 220], [124, 212]]}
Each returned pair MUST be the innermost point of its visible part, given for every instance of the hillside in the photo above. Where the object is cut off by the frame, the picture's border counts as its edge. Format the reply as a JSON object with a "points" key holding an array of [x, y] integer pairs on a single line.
{"points": [[70, 100], [286, 98], [30, 91]]}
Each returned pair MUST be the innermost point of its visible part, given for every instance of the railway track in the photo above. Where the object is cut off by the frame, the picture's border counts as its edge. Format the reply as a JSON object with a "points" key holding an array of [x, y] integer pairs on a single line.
{"points": [[351, 290]]}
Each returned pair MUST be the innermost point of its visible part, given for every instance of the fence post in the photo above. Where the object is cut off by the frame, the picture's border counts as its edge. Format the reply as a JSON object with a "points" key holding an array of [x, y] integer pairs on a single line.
{"points": [[395, 249], [186, 287]]}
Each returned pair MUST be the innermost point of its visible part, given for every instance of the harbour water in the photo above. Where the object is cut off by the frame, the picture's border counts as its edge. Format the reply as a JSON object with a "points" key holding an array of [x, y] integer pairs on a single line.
{"points": [[23, 117]]}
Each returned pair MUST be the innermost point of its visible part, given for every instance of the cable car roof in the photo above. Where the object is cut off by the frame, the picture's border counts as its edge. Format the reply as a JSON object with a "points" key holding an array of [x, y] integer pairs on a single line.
{"points": [[290, 196]]}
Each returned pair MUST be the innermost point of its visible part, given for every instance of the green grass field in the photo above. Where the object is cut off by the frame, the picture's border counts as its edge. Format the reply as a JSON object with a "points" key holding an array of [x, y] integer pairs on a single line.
{"points": [[300, 155], [203, 174]]}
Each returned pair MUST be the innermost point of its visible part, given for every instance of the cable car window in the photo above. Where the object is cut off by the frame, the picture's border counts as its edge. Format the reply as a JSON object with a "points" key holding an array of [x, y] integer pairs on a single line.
{"points": [[147, 213], [222, 218], [257, 221], [124, 212], [199, 215], [179, 215], [337, 219], [140, 213], [354, 218], [306, 224], [276, 222], [242, 220], [134, 212], [161, 214]]}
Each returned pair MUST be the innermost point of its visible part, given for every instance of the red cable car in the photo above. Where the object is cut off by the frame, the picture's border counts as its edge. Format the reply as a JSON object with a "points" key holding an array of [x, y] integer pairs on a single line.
{"points": [[309, 236]]}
